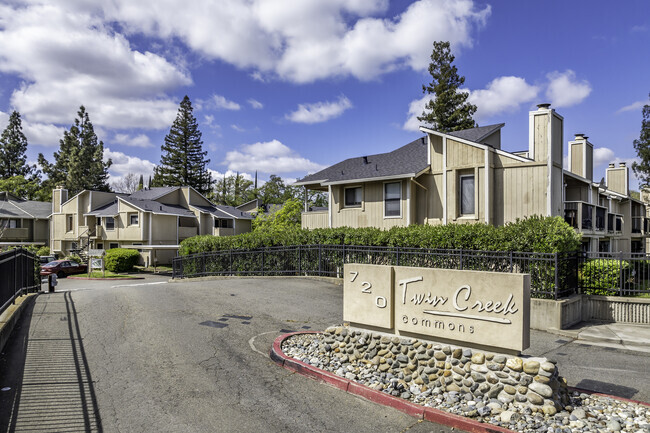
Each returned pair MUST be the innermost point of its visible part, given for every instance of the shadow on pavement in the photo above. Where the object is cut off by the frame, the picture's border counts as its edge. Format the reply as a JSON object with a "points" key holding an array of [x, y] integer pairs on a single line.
{"points": [[47, 369], [607, 388]]}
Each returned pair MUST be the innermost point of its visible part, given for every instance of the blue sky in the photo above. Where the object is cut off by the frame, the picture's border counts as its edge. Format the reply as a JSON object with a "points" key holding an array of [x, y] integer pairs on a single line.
{"points": [[288, 90]]}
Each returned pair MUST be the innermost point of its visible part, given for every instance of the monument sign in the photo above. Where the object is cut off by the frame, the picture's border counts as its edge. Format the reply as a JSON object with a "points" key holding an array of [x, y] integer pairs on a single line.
{"points": [[489, 309]]}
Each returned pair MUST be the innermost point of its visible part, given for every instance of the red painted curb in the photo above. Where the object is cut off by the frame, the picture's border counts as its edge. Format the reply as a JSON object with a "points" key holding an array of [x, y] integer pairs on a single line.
{"points": [[422, 412], [412, 409]]}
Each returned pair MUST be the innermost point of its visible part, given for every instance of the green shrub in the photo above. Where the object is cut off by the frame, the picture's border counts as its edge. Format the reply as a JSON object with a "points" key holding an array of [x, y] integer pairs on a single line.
{"points": [[43, 251], [121, 259], [74, 258], [597, 276], [534, 234]]}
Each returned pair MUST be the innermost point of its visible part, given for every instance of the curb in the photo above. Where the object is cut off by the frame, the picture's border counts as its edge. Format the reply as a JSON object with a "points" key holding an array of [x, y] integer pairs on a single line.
{"points": [[104, 279], [415, 410], [418, 411], [10, 317]]}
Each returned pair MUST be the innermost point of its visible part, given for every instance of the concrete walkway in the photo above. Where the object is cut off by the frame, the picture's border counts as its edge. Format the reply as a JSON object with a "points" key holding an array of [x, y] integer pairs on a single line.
{"points": [[623, 336]]}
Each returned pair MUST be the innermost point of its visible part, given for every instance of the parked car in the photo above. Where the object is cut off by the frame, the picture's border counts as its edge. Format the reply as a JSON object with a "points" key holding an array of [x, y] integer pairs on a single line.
{"points": [[46, 259], [63, 268]]}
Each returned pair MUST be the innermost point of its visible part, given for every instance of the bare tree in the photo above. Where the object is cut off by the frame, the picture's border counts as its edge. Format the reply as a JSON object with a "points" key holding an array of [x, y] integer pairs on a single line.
{"points": [[127, 184]]}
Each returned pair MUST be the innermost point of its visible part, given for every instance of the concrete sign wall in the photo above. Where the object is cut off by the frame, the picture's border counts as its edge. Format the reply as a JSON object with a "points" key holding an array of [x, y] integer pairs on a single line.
{"points": [[487, 309]]}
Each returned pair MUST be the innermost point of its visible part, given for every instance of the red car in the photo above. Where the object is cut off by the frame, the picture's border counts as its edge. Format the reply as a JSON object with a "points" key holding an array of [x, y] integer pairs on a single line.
{"points": [[63, 268]]}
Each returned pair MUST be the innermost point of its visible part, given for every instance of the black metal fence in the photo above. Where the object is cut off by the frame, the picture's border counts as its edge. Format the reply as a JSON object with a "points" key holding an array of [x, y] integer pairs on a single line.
{"points": [[18, 268], [614, 274], [552, 275]]}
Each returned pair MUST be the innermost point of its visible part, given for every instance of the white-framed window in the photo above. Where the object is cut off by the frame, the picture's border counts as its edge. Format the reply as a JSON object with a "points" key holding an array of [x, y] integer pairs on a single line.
{"points": [[99, 221], [109, 223], [353, 196], [69, 220], [392, 199], [133, 219], [100, 246], [467, 203], [113, 245]]}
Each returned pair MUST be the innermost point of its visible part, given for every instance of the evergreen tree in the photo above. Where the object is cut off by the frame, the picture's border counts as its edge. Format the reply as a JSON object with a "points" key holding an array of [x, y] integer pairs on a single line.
{"points": [[141, 183], [79, 163], [183, 160], [448, 110], [13, 148], [642, 146]]}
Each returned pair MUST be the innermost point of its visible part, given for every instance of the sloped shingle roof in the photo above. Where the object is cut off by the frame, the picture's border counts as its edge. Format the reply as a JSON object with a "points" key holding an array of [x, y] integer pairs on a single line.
{"points": [[158, 208], [153, 193], [477, 134], [221, 211], [25, 209], [408, 159]]}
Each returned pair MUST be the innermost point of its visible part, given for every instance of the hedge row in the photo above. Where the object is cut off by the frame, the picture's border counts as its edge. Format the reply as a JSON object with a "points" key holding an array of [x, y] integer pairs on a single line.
{"points": [[121, 259], [532, 234]]}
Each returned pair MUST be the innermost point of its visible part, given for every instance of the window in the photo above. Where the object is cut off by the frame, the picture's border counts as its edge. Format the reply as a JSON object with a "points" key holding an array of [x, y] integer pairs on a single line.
{"points": [[113, 245], [100, 246], [14, 224], [110, 223], [99, 220], [353, 197], [224, 223], [467, 194], [68, 223], [133, 219], [392, 199]]}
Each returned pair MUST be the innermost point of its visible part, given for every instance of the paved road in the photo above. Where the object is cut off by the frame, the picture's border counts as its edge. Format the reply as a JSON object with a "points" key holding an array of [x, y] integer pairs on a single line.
{"points": [[152, 356]]}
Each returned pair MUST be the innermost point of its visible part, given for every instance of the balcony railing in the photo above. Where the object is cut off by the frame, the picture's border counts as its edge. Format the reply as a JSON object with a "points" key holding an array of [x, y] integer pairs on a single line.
{"points": [[187, 232], [15, 234], [315, 220], [224, 231], [638, 225]]}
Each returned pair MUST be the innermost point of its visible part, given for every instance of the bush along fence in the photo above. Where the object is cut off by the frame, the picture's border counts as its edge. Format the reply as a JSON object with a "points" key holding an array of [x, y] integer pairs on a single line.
{"points": [[18, 275], [553, 275]]}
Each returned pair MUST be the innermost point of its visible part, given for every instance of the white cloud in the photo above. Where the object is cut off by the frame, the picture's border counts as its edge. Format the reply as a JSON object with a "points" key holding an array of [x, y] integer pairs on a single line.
{"points": [[603, 155], [237, 128], [638, 105], [270, 157], [310, 40], [564, 90], [319, 111], [124, 164], [255, 104], [503, 94], [67, 58], [43, 134], [416, 107], [220, 102], [217, 175], [140, 140]]}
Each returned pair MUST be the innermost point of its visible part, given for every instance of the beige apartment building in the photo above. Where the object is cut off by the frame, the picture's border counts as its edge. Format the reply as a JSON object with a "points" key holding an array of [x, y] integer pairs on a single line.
{"points": [[23, 222], [152, 220], [465, 177]]}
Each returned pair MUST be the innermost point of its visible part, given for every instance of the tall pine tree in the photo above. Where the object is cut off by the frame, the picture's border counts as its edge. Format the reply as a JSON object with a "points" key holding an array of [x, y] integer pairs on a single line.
{"points": [[13, 148], [642, 146], [79, 163], [448, 110], [183, 162]]}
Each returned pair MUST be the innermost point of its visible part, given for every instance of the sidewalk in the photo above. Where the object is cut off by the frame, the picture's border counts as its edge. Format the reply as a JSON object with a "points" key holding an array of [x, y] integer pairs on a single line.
{"points": [[624, 336]]}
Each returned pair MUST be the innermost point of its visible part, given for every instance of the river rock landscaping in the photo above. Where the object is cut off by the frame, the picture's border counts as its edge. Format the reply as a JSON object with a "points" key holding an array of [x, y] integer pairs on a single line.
{"points": [[521, 394]]}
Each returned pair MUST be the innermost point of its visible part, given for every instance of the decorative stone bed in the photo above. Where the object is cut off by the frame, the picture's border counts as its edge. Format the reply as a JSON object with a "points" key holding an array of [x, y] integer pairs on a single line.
{"points": [[522, 394]]}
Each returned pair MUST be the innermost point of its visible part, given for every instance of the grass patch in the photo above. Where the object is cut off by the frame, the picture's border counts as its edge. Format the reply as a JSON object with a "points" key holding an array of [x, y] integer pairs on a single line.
{"points": [[108, 274]]}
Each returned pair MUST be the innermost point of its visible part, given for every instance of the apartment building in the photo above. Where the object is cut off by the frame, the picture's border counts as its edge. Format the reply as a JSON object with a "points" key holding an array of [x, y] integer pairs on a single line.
{"points": [[152, 220], [23, 222], [465, 177]]}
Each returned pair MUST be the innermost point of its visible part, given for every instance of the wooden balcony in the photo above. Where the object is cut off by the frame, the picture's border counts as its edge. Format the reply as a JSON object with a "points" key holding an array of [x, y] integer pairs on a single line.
{"points": [[187, 232], [15, 234], [224, 231], [586, 217], [315, 220]]}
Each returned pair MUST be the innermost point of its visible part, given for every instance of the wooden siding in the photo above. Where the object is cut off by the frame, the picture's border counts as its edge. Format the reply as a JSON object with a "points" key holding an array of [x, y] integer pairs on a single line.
{"points": [[577, 156], [436, 152], [461, 155], [371, 212], [524, 193], [616, 180], [540, 136], [557, 138]]}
